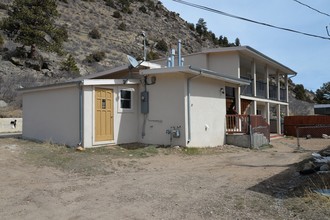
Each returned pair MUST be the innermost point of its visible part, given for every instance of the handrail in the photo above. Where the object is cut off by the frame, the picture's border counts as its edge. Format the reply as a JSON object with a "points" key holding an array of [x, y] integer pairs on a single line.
{"points": [[237, 123]]}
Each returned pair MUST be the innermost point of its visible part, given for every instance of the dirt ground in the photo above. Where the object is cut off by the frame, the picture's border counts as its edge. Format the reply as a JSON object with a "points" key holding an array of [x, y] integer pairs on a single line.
{"points": [[44, 181]]}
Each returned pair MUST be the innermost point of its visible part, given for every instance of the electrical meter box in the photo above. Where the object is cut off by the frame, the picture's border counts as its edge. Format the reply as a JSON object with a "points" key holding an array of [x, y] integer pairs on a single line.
{"points": [[145, 102]]}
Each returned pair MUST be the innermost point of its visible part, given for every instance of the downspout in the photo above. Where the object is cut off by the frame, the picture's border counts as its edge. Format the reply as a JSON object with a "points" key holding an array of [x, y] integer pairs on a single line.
{"points": [[145, 115], [80, 113], [188, 103]]}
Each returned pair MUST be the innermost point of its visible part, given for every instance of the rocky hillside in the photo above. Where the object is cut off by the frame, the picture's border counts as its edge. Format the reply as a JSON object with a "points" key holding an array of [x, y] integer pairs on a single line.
{"points": [[100, 35]]}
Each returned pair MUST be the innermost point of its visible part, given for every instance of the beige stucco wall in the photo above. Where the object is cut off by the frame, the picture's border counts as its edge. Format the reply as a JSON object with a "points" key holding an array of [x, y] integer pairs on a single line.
{"points": [[196, 60], [52, 115], [224, 63], [166, 109], [125, 122], [208, 110]]}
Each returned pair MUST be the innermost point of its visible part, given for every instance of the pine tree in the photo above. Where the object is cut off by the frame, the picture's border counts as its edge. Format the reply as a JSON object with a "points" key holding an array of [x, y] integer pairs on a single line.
{"points": [[32, 22], [237, 42], [70, 65], [201, 27], [225, 42], [323, 94]]}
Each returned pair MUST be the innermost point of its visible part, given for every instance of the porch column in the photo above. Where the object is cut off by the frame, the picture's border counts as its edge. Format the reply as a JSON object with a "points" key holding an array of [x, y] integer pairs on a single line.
{"points": [[238, 105], [287, 88], [278, 111], [267, 82], [278, 87], [254, 107], [254, 73], [268, 113], [238, 101]]}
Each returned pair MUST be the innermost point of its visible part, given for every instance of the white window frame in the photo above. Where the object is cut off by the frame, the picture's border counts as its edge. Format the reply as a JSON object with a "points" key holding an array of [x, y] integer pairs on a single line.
{"points": [[131, 109]]}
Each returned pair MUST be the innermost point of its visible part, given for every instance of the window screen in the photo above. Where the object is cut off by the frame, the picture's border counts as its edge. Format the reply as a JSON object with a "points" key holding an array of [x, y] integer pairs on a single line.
{"points": [[125, 99]]}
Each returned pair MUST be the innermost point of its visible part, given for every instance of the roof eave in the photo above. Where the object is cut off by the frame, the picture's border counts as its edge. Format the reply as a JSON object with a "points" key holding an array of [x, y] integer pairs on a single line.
{"points": [[196, 71]]}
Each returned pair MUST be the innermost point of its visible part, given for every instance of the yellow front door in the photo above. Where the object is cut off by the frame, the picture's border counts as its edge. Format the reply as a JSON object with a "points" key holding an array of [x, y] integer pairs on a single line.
{"points": [[103, 114]]}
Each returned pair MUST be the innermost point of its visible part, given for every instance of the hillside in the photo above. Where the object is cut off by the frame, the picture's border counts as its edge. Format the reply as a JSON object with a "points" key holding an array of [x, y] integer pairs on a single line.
{"points": [[100, 35], [119, 32]]}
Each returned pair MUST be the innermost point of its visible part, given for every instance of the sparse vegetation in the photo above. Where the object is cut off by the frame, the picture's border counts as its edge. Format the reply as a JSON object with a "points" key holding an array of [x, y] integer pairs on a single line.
{"points": [[32, 23], [70, 65], [95, 57], [143, 9], [323, 94], [79, 19], [301, 93], [191, 26], [152, 56], [3, 6], [116, 14], [151, 5], [110, 3], [122, 26], [162, 45], [2, 41], [94, 34]]}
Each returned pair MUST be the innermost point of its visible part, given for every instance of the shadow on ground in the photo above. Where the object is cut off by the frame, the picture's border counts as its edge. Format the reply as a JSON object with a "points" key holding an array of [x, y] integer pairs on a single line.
{"points": [[290, 183]]}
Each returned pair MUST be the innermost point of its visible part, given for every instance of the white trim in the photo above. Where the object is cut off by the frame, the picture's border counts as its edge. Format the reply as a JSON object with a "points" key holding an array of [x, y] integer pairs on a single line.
{"points": [[96, 82], [196, 71], [263, 100], [119, 108], [48, 87], [94, 142], [150, 65]]}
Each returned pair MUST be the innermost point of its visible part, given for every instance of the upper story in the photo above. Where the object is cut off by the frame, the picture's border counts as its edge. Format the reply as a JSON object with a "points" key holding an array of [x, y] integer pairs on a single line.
{"points": [[269, 78]]}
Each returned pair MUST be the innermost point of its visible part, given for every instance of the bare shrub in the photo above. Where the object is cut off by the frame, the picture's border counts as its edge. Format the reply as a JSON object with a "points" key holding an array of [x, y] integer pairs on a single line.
{"points": [[94, 34]]}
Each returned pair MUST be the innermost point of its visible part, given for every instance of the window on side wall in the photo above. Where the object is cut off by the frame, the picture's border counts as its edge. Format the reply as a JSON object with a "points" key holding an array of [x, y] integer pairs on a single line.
{"points": [[125, 99]]}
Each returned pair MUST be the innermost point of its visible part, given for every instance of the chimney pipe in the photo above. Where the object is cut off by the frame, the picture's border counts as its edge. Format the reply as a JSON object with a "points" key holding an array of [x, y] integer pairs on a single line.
{"points": [[172, 57], [179, 53], [169, 62]]}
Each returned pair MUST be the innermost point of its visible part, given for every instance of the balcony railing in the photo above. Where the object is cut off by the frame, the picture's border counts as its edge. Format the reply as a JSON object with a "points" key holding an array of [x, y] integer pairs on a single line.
{"points": [[262, 91], [273, 92], [237, 124], [247, 124]]}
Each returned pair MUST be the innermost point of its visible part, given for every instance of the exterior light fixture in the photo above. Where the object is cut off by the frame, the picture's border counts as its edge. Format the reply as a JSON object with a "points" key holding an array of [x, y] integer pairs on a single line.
{"points": [[222, 91]]}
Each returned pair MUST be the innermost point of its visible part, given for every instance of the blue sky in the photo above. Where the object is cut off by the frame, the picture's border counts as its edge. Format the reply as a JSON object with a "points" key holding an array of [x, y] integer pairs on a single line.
{"points": [[308, 56]]}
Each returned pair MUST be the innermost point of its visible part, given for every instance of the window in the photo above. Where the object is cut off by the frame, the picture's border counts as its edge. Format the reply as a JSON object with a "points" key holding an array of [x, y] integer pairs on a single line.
{"points": [[125, 99]]}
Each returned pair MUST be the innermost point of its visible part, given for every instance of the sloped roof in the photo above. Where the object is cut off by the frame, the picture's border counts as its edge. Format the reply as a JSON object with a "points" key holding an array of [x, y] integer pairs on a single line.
{"points": [[197, 71], [249, 52]]}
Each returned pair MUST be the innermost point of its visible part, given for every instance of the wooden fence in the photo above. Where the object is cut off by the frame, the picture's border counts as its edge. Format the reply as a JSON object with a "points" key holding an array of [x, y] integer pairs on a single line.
{"points": [[314, 125]]}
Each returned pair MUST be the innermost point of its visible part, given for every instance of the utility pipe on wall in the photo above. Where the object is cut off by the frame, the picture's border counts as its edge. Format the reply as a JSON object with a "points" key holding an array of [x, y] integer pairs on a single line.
{"points": [[188, 104], [80, 113]]}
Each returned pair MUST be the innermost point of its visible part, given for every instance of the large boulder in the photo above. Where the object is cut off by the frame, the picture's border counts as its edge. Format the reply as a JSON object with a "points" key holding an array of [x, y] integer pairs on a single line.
{"points": [[3, 104]]}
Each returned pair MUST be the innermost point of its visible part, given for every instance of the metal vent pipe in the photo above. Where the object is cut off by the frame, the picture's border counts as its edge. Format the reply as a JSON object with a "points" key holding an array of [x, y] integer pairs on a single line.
{"points": [[179, 53]]}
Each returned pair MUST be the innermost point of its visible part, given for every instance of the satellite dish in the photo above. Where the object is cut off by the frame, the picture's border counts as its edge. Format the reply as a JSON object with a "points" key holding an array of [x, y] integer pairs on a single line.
{"points": [[134, 63]]}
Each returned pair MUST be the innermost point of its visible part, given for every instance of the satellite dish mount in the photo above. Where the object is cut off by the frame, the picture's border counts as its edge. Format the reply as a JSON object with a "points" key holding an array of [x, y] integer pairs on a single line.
{"points": [[133, 62]]}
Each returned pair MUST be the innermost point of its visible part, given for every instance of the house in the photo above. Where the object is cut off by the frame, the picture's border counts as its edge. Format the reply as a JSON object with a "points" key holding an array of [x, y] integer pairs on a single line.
{"points": [[181, 103], [322, 109]]}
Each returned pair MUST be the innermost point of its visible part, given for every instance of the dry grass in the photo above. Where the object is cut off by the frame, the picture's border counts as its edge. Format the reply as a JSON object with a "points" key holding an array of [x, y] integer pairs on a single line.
{"points": [[10, 112]]}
